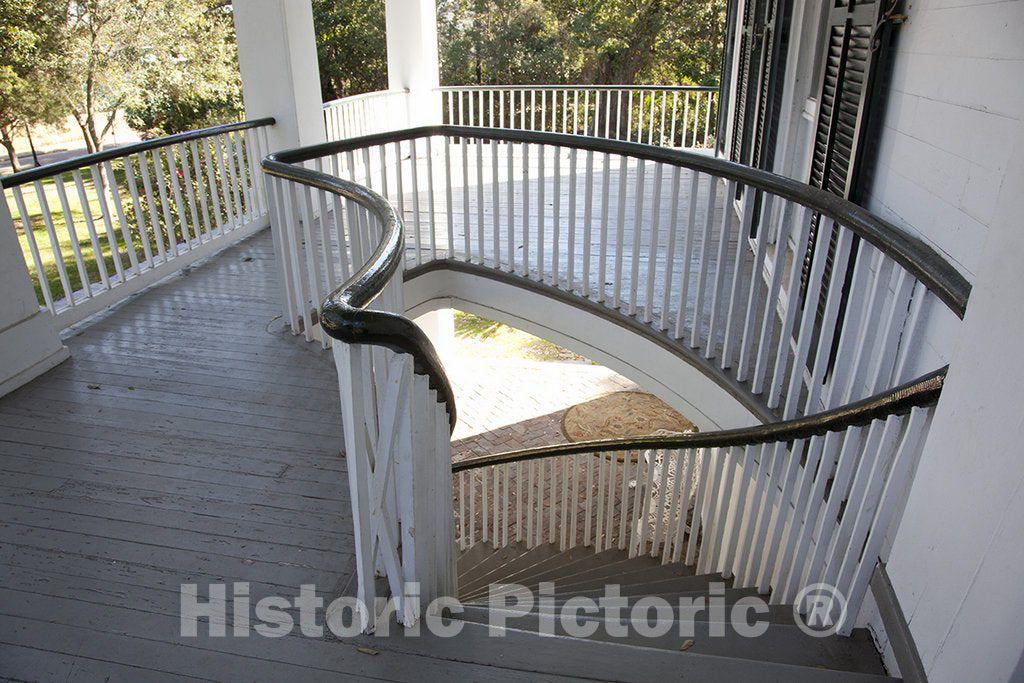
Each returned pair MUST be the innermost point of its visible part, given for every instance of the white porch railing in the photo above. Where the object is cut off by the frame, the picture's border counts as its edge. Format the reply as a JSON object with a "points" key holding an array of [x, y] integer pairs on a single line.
{"points": [[667, 116], [795, 301], [366, 114], [119, 220], [778, 516]]}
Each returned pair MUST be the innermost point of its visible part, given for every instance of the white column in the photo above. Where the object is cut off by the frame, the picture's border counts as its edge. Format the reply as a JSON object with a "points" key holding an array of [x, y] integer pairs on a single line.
{"points": [[956, 560], [439, 326], [413, 58], [29, 343], [280, 74]]}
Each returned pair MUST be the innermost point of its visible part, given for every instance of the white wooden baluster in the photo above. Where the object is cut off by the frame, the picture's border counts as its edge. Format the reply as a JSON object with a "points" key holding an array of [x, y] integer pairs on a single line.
{"points": [[685, 492], [824, 452], [718, 284], [892, 495], [703, 260], [115, 193], [37, 260]]}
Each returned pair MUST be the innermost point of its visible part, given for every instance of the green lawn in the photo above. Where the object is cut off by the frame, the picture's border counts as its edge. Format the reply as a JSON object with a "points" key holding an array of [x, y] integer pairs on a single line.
{"points": [[33, 207], [478, 336], [90, 263]]}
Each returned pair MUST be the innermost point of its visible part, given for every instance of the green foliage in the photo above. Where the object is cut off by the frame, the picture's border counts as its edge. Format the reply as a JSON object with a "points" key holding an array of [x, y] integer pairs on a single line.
{"points": [[503, 41], [351, 43], [169, 62], [201, 88], [580, 41], [30, 50]]}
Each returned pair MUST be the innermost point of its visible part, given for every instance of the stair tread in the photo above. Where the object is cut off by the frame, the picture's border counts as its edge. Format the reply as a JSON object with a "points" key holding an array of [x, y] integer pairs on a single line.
{"points": [[495, 559], [574, 657], [777, 614], [504, 562], [621, 573], [780, 643], [531, 573], [522, 571]]}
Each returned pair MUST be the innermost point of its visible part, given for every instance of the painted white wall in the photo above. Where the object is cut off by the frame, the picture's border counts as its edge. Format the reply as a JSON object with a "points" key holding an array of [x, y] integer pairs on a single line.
{"points": [[413, 62], [955, 101], [280, 74], [956, 558], [29, 344]]}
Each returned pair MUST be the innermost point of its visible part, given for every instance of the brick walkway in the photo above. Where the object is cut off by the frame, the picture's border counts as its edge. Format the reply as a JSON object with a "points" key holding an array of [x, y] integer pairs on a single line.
{"points": [[509, 404]]}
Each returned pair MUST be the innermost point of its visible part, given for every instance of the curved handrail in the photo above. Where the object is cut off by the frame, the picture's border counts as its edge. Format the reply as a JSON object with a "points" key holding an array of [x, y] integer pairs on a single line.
{"points": [[919, 259], [923, 391], [914, 255], [48, 170], [343, 313]]}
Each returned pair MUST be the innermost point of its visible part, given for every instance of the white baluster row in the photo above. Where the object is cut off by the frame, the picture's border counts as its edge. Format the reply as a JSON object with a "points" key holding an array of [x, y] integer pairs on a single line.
{"points": [[118, 221], [774, 516], [365, 114], [664, 116], [668, 246]]}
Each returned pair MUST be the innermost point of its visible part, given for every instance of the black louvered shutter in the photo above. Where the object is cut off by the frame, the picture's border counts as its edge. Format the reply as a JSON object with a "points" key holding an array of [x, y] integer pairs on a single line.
{"points": [[764, 41], [729, 54], [850, 101], [745, 57]]}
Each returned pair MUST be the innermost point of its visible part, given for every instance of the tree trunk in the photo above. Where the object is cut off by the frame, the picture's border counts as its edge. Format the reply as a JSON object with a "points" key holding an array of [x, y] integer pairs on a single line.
{"points": [[8, 144], [31, 145]]}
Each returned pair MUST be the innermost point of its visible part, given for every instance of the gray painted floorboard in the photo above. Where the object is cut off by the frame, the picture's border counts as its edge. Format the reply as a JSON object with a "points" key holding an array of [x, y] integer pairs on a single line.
{"points": [[189, 439]]}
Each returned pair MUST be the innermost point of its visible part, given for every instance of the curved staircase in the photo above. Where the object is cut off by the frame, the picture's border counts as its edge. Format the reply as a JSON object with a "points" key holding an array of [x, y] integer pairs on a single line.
{"points": [[747, 288], [696, 639]]}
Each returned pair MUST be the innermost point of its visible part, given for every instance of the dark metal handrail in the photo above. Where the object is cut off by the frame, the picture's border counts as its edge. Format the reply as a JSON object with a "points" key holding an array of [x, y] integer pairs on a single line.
{"points": [[56, 168], [343, 313], [923, 391], [919, 259]]}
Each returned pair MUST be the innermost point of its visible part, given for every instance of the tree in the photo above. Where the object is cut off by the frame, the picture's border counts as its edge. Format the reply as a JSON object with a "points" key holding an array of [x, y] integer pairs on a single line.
{"points": [[203, 88], [131, 53], [30, 52], [351, 45], [581, 41], [502, 41]]}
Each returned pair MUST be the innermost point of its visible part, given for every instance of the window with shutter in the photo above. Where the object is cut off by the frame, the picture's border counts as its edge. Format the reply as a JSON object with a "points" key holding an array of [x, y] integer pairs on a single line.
{"points": [[764, 36], [850, 101]]}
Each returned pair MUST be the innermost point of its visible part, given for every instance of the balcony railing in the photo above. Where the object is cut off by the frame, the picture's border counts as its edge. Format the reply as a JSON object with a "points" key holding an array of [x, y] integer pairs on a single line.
{"points": [[119, 220], [793, 300], [365, 114], [683, 117]]}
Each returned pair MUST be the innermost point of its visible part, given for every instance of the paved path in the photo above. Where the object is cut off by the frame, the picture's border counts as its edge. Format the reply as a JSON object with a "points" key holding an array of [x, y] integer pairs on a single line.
{"points": [[508, 404]]}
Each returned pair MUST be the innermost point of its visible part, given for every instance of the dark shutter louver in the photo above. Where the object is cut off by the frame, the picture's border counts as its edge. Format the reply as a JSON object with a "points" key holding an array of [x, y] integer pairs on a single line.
{"points": [[851, 93], [745, 57], [724, 88], [762, 61]]}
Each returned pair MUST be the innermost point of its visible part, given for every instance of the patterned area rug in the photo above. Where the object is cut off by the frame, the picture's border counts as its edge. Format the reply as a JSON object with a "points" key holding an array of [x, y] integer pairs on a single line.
{"points": [[623, 414]]}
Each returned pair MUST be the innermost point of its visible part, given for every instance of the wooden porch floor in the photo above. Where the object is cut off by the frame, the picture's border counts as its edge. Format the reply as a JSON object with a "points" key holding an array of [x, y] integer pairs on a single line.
{"points": [[189, 439]]}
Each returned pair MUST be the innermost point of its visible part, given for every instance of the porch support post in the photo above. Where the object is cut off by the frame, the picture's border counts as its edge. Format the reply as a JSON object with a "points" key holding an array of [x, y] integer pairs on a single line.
{"points": [[439, 326], [29, 343], [280, 74], [413, 58]]}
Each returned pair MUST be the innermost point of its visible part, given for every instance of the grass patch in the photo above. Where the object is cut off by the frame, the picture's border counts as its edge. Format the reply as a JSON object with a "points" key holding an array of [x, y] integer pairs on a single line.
{"points": [[476, 336]]}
